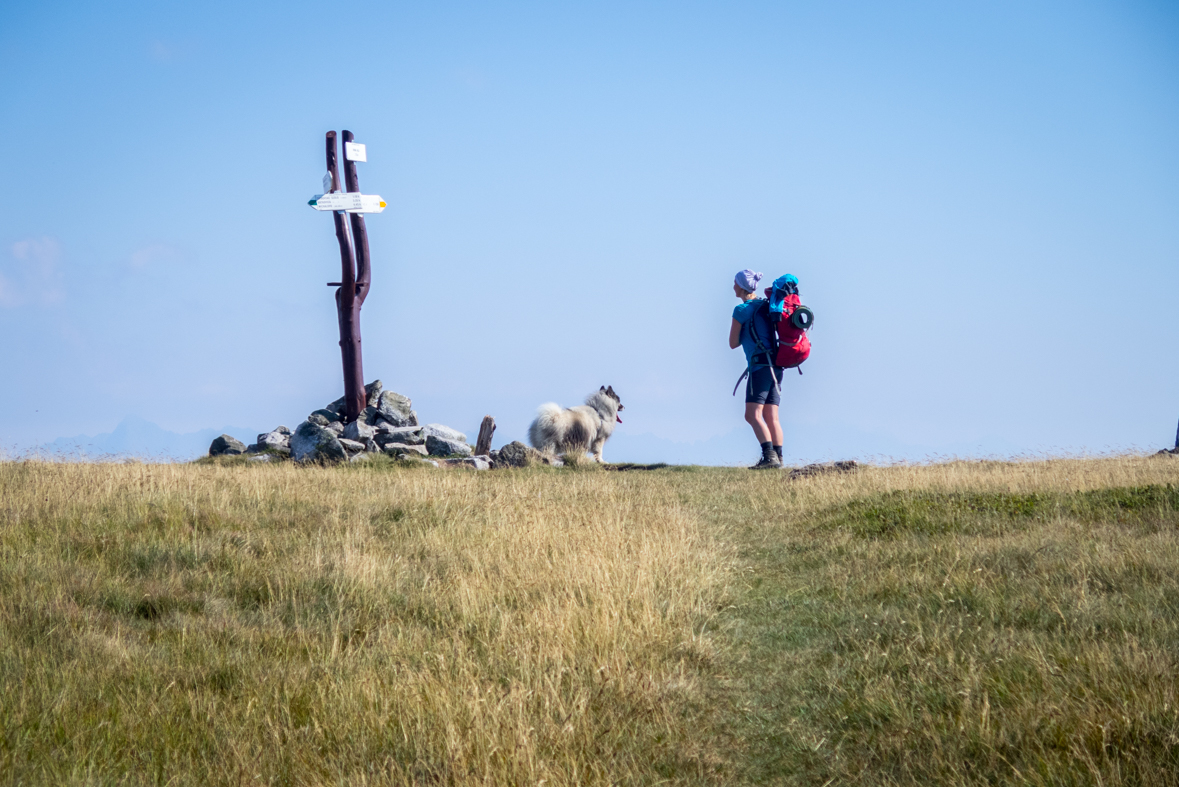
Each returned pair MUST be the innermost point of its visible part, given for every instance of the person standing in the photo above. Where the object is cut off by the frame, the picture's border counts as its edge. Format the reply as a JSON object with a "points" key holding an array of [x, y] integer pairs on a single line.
{"points": [[762, 390]]}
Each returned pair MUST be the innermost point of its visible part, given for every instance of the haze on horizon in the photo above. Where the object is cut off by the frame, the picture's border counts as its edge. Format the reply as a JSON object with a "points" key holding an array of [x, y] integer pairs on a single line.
{"points": [[981, 202]]}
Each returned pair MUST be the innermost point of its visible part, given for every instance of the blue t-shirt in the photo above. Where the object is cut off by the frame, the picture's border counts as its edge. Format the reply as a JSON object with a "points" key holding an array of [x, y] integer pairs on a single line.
{"points": [[743, 313]]}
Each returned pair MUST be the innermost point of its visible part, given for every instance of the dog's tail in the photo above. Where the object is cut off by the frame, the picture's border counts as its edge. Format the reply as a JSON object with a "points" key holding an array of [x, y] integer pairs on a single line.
{"points": [[543, 434]]}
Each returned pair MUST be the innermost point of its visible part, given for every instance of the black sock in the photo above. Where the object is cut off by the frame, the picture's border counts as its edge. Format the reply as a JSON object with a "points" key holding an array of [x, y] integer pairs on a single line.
{"points": [[767, 449], [778, 451]]}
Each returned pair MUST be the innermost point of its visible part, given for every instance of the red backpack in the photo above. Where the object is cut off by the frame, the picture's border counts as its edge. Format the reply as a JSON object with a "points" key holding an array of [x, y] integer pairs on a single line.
{"points": [[794, 346]]}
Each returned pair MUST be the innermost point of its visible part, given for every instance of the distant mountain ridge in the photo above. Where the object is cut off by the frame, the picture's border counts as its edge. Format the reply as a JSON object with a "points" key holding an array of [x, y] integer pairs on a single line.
{"points": [[137, 437]]}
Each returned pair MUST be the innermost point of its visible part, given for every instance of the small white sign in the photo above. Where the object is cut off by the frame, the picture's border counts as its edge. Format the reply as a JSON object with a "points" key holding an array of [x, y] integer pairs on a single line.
{"points": [[327, 183], [350, 201], [354, 151]]}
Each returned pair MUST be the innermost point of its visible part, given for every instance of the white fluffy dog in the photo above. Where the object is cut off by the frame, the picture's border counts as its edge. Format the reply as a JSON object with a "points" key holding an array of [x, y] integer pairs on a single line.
{"points": [[559, 430]]}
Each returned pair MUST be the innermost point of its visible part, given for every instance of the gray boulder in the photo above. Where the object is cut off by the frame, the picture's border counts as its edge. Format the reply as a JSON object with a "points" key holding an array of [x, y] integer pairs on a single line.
{"points": [[317, 419], [263, 458], [516, 454], [282, 430], [226, 446], [359, 431], [372, 393], [396, 410], [410, 435], [445, 432], [328, 414], [337, 427], [397, 450], [477, 462], [440, 446], [275, 441], [314, 443], [351, 446]]}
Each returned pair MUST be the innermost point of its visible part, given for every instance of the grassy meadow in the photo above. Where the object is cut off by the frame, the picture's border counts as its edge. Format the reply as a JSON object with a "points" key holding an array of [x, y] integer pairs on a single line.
{"points": [[224, 623]]}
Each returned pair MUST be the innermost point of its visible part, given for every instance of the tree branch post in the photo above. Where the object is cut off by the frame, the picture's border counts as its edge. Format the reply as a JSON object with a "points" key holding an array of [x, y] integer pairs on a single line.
{"points": [[347, 304]]}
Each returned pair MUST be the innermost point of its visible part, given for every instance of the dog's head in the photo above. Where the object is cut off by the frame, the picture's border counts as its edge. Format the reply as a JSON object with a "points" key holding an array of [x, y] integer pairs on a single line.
{"points": [[609, 391]]}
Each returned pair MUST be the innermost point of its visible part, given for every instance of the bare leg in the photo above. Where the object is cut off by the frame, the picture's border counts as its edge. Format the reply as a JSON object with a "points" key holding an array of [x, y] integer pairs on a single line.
{"points": [[772, 423], [753, 417]]}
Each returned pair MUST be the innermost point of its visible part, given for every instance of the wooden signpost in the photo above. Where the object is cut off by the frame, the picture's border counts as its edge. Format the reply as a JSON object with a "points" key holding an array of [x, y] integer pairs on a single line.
{"points": [[354, 260]]}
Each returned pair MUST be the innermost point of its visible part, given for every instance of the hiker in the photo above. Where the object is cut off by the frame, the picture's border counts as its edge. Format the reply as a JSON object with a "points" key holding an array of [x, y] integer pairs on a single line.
{"points": [[765, 380]]}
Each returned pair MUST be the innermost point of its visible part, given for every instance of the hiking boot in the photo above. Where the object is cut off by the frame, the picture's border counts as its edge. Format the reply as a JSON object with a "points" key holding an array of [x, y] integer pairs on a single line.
{"points": [[768, 463]]}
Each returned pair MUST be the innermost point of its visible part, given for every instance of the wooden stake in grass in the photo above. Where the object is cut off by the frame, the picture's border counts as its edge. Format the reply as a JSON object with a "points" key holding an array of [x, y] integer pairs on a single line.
{"points": [[486, 429]]}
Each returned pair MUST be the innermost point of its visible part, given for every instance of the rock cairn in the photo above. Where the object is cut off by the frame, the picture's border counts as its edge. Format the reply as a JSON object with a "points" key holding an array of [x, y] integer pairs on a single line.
{"points": [[388, 425]]}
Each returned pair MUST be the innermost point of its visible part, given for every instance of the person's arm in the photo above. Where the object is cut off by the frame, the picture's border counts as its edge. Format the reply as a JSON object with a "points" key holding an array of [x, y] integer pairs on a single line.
{"points": [[735, 335]]}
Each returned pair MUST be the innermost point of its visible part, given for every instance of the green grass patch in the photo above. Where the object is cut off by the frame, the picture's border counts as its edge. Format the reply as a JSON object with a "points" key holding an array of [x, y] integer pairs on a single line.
{"points": [[902, 512]]}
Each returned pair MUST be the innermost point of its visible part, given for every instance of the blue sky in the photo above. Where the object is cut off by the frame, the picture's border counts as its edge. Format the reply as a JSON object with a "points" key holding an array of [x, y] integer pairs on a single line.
{"points": [[981, 202]]}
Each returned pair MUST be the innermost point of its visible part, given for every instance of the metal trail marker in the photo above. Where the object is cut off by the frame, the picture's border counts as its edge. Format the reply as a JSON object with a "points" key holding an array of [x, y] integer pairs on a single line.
{"points": [[354, 260]]}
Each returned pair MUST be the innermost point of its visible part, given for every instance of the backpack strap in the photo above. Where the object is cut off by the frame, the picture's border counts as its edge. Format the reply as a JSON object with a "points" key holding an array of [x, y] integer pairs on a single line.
{"points": [[765, 307]]}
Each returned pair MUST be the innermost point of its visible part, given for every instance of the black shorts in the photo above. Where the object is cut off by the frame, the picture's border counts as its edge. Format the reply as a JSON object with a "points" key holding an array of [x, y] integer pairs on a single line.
{"points": [[760, 389]]}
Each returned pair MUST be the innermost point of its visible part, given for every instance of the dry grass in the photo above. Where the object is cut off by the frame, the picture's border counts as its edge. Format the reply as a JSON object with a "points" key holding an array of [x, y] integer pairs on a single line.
{"points": [[193, 625], [224, 624]]}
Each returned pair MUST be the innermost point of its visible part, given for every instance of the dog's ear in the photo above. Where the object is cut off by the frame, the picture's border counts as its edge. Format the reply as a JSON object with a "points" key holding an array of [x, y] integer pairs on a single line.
{"points": [[603, 388], [610, 390]]}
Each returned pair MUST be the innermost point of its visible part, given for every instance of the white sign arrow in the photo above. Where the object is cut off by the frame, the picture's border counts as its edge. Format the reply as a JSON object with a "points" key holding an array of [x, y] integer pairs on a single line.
{"points": [[350, 201]]}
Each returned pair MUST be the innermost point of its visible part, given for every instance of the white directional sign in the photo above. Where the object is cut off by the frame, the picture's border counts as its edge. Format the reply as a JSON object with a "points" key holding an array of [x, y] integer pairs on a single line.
{"points": [[354, 151], [350, 201]]}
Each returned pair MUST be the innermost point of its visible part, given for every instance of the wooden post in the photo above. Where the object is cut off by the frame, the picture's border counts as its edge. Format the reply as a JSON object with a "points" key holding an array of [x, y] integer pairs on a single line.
{"points": [[347, 303], [483, 444], [1177, 438]]}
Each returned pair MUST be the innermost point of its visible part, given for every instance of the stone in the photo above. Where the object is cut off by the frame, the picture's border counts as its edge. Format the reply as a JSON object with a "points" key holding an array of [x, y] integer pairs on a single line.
{"points": [[477, 462], [445, 432], [515, 454], [823, 468], [440, 446], [226, 446], [401, 449], [317, 419], [359, 431], [371, 416], [410, 435], [396, 409], [263, 458], [312, 442], [372, 393], [337, 427], [351, 446], [328, 415], [275, 441], [362, 456], [371, 447], [282, 430]]}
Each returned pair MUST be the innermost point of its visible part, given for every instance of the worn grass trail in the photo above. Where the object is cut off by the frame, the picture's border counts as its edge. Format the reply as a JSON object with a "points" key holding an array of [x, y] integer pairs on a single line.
{"points": [[955, 624], [215, 624]]}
